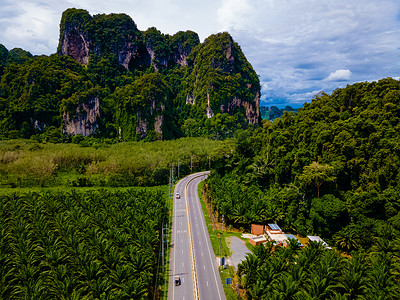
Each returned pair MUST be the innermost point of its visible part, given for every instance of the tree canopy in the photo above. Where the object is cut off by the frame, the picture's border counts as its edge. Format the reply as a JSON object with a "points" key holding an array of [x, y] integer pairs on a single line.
{"points": [[335, 162]]}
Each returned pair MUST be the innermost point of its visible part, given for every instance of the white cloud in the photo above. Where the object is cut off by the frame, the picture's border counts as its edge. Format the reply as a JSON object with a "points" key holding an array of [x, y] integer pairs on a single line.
{"points": [[27, 26], [292, 44], [234, 13], [339, 75]]}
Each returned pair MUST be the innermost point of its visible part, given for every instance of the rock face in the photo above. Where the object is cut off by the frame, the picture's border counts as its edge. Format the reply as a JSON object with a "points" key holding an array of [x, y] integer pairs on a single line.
{"points": [[84, 122], [211, 77], [252, 111], [83, 36], [75, 45], [222, 80], [143, 124]]}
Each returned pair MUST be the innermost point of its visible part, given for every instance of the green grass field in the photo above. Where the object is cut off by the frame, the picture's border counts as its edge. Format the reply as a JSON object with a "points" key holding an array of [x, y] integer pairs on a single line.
{"points": [[29, 164]]}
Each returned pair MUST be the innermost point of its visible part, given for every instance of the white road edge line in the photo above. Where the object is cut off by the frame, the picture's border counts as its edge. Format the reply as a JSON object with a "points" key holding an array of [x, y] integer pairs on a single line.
{"points": [[208, 247], [192, 256]]}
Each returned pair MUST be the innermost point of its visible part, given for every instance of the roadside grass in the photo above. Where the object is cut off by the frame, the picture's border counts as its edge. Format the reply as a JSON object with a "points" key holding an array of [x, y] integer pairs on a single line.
{"points": [[220, 247], [230, 293]]}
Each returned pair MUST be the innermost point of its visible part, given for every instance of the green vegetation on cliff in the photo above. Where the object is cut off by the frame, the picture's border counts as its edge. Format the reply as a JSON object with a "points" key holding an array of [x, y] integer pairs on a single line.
{"points": [[148, 85], [16, 55], [34, 94]]}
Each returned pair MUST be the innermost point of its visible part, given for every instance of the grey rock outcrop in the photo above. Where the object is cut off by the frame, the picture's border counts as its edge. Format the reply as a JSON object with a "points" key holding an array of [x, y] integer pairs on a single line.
{"points": [[84, 121], [83, 36]]}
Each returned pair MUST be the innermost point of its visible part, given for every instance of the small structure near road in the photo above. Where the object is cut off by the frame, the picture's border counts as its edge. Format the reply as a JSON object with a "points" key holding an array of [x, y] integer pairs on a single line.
{"points": [[282, 239], [315, 238], [273, 228], [275, 234], [257, 229], [271, 232], [258, 240], [291, 236]]}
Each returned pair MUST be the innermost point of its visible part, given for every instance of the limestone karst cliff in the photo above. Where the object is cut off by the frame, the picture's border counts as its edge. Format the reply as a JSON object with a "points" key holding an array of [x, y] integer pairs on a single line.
{"points": [[111, 79], [83, 35], [218, 65], [84, 120]]}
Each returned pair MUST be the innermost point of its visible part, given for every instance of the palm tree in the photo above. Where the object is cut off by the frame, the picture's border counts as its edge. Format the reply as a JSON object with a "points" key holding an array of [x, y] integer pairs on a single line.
{"points": [[133, 289], [353, 282], [259, 290], [382, 284], [346, 239], [286, 288], [319, 287], [248, 267], [238, 214]]}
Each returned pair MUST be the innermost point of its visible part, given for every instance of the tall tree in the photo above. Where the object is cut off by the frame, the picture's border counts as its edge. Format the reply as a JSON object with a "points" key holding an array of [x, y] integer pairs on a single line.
{"points": [[317, 174]]}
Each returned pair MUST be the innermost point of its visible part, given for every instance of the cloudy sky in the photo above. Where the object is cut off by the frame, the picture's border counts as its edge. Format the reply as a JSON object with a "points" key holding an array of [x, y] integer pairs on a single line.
{"points": [[297, 47]]}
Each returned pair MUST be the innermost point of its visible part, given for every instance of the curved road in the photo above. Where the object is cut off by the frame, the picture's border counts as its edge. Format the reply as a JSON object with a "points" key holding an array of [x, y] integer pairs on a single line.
{"points": [[192, 257]]}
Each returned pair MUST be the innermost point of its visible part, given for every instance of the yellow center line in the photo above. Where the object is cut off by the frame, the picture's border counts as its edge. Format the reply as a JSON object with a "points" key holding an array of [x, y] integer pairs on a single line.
{"points": [[192, 258]]}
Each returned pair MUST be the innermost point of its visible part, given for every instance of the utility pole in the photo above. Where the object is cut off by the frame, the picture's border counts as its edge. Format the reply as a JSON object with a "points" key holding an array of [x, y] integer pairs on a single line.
{"points": [[162, 248], [172, 172], [169, 188], [191, 163], [209, 162], [178, 168], [219, 238], [164, 238]]}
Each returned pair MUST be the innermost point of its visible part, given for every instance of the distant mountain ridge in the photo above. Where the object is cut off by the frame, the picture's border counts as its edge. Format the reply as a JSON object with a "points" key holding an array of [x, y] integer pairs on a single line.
{"points": [[128, 84], [274, 112]]}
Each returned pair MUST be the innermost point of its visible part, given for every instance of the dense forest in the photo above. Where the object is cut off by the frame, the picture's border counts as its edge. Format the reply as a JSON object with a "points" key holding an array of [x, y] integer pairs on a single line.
{"points": [[110, 80], [330, 170]]}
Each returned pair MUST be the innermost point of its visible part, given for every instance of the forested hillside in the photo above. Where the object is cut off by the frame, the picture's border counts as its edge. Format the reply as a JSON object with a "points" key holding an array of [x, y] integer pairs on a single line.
{"points": [[330, 170], [111, 80]]}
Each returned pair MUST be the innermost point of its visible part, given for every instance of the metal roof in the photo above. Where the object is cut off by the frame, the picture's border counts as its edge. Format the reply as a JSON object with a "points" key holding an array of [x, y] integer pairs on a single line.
{"points": [[291, 236], [314, 238], [274, 226]]}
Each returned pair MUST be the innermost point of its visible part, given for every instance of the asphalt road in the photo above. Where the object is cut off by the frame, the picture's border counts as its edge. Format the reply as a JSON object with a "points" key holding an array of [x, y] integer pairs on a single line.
{"points": [[205, 282], [180, 259]]}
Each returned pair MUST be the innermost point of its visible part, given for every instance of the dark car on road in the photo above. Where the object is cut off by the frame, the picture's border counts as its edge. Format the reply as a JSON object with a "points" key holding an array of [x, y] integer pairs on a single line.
{"points": [[177, 280]]}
